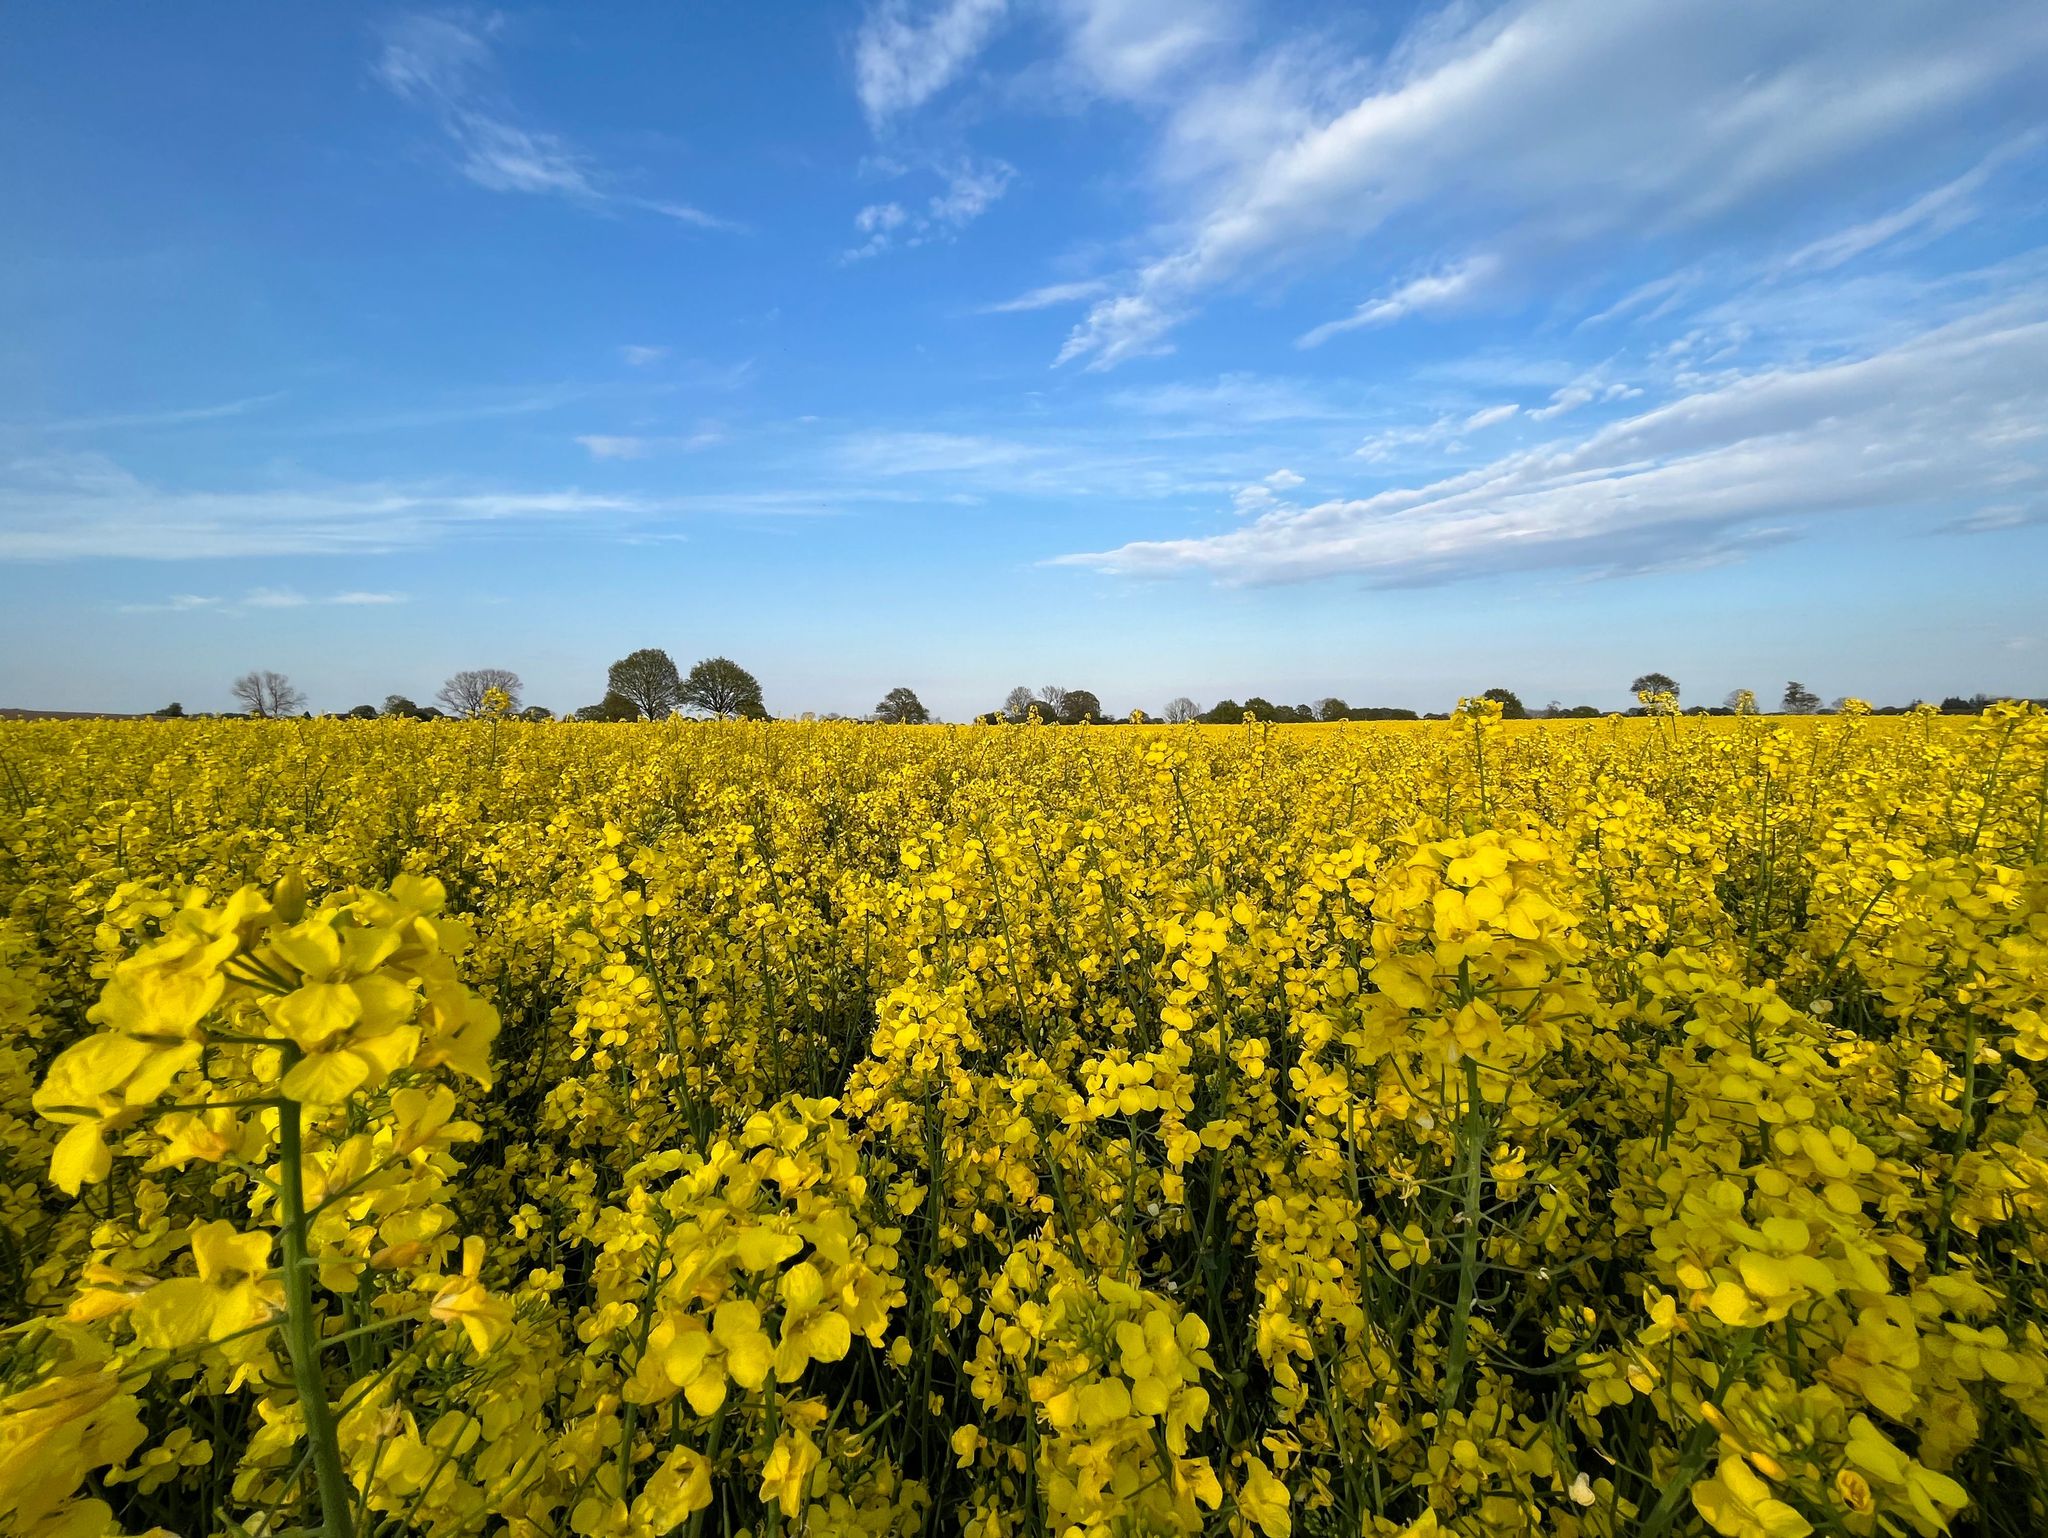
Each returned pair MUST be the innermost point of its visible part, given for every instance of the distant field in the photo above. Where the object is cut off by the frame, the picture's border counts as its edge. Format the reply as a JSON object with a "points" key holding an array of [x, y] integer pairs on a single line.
{"points": [[1588, 1127]]}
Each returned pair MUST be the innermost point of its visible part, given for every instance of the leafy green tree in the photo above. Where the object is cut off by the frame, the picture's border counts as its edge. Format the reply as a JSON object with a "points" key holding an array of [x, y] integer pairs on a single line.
{"points": [[613, 707], [1655, 683], [1799, 700], [902, 707], [1331, 708], [1223, 713], [1511, 706], [1078, 705], [536, 713], [720, 687], [363, 713], [399, 705], [170, 712], [649, 679]]}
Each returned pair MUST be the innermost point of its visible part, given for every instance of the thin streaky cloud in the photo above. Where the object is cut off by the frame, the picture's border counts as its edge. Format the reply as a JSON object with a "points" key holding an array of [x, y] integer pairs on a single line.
{"points": [[446, 66], [177, 416], [1932, 213], [1556, 127], [1048, 297], [1432, 291], [1958, 414]]}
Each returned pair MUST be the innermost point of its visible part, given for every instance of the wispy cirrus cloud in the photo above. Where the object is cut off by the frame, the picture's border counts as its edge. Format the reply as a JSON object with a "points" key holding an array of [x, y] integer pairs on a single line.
{"points": [[1933, 213], [1957, 415], [1431, 291], [1539, 130], [446, 64], [1047, 296], [258, 598], [82, 506], [643, 446], [169, 416]]}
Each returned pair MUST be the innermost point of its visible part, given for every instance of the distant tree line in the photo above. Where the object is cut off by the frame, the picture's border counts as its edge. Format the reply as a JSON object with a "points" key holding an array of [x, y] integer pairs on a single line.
{"points": [[646, 685]]}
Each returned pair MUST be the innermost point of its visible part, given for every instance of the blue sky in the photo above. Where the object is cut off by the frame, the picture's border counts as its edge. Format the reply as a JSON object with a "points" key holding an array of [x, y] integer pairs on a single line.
{"points": [[1156, 347]]}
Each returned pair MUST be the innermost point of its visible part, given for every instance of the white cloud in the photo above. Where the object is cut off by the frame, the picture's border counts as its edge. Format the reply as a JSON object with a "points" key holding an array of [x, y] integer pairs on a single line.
{"points": [[1433, 291], [446, 65], [1047, 297], [1387, 444], [77, 506], [1958, 416], [1233, 401], [641, 356], [1118, 330], [1549, 127], [905, 55], [274, 598], [172, 416], [1569, 398], [603, 446], [632, 446], [969, 190], [257, 598], [926, 453], [1283, 480], [177, 603], [1932, 213], [1492, 416], [1126, 48]]}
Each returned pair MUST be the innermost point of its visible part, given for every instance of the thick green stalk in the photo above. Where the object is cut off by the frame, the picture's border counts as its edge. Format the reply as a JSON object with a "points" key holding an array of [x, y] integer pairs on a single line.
{"points": [[1468, 1241], [301, 1332]]}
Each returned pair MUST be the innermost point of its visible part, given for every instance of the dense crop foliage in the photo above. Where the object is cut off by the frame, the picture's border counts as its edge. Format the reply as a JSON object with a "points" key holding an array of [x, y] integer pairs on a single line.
{"points": [[1624, 1127]]}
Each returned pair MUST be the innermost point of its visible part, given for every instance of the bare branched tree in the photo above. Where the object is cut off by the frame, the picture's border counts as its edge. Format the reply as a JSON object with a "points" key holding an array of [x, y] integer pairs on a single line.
{"points": [[267, 694], [1017, 704], [464, 693], [1182, 710]]}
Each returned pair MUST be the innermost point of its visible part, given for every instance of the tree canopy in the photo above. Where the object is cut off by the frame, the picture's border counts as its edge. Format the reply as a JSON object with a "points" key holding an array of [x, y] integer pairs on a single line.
{"points": [[1655, 683], [1078, 705], [648, 678], [902, 707], [718, 686], [613, 707], [1511, 706]]}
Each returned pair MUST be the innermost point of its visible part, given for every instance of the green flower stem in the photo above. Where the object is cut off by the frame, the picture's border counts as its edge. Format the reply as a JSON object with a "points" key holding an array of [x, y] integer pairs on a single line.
{"points": [[1468, 1240], [301, 1331]]}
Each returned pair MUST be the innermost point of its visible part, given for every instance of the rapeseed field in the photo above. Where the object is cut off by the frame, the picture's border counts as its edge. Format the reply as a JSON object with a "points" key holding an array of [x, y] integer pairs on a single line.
{"points": [[1614, 1127]]}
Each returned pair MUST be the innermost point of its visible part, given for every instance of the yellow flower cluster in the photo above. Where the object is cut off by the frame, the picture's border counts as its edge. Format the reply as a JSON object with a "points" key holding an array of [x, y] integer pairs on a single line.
{"points": [[1591, 1129]]}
